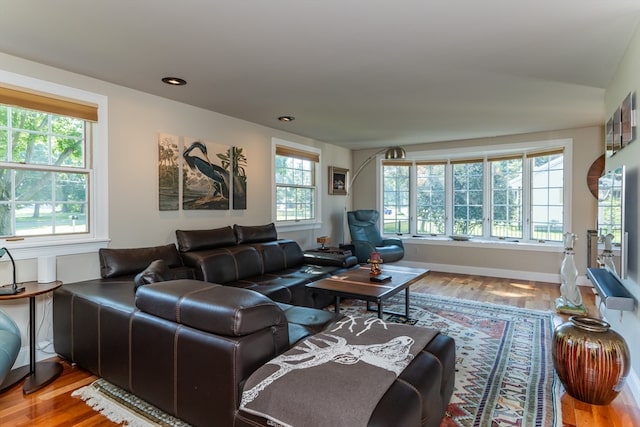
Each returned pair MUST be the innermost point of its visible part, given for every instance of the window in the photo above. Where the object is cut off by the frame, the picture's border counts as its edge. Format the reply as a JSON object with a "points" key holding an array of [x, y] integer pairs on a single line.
{"points": [[468, 190], [547, 195], [506, 197], [396, 197], [430, 187], [53, 193], [516, 195], [295, 182], [43, 175]]}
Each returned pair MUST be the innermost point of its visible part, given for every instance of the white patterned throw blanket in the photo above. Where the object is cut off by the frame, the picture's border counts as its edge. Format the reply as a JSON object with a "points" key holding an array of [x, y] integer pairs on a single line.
{"points": [[335, 378]]}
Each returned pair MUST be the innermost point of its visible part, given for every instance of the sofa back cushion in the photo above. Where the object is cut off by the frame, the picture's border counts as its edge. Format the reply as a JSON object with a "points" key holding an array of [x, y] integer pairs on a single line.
{"points": [[193, 240], [273, 258], [222, 310], [293, 254], [255, 233], [225, 265], [122, 262], [157, 271]]}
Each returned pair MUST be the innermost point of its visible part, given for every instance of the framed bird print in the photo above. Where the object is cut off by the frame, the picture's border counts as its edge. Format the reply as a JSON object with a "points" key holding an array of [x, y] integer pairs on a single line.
{"points": [[205, 177], [168, 172], [238, 162]]}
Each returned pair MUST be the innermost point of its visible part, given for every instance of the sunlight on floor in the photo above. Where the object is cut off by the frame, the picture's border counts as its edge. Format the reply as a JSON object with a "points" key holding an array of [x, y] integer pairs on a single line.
{"points": [[522, 286], [512, 294]]}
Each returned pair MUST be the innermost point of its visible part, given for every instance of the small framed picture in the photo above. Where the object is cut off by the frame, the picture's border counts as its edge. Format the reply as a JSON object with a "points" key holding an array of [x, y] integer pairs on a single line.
{"points": [[617, 131], [628, 119], [609, 137], [338, 178]]}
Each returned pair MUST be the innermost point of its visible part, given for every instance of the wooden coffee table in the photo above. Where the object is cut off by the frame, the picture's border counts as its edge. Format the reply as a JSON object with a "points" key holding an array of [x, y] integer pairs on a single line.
{"points": [[356, 284]]}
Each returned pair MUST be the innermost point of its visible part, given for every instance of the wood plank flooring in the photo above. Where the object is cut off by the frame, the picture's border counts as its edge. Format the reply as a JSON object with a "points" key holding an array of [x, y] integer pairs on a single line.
{"points": [[54, 406]]}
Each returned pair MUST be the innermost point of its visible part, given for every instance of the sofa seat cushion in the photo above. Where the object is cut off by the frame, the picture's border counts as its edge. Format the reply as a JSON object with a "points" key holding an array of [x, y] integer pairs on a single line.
{"points": [[306, 321], [276, 291], [217, 309], [313, 319]]}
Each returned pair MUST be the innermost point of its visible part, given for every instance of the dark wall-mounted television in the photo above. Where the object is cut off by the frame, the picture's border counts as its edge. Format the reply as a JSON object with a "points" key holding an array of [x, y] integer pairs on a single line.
{"points": [[611, 220]]}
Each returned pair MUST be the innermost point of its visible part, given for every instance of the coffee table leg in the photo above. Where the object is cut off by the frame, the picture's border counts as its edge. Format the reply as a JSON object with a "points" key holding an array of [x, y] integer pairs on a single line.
{"points": [[336, 305], [380, 310], [406, 303]]}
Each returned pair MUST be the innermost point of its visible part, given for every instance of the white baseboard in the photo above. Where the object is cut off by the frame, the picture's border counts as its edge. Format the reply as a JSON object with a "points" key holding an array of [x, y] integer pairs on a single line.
{"points": [[493, 272], [633, 381]]}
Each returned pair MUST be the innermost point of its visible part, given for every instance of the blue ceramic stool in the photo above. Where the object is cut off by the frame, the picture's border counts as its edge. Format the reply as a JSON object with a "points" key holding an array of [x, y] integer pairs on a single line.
{"points": [[10, 343]]}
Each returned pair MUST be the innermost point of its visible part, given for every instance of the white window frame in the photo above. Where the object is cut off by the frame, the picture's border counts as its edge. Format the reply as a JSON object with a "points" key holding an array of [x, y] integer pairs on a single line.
{"points": [[28, 247], [484, 152], [298, 224]]}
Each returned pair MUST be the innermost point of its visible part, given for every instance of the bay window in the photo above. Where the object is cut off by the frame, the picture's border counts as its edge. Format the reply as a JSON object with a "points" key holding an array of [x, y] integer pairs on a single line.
{"points": [[517, 194]]}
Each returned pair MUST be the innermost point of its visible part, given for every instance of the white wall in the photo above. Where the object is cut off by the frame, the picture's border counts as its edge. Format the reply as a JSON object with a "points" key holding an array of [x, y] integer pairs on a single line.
{"points": [[627, 80], [135, 119]]}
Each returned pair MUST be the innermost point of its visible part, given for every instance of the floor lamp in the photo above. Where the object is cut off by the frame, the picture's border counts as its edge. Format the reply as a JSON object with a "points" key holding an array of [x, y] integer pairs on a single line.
{"points": [[390, 153]]}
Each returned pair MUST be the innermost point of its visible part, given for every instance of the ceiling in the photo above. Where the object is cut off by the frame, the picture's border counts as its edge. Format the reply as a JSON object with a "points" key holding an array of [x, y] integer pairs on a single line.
{"points": [[359, 74]]}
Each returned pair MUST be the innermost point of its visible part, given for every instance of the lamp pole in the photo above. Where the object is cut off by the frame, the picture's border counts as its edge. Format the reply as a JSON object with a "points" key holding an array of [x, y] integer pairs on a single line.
{"points": [[390, 153]]}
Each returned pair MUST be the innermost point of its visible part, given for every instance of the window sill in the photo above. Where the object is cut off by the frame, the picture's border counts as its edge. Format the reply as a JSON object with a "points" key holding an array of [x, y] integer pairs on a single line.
{"points": [[33, 249], [483, 243], [286, 226]]}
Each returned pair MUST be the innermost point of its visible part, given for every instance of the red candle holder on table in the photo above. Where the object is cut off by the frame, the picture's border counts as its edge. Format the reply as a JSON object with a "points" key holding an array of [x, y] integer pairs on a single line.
{"points": [[375, 261]]}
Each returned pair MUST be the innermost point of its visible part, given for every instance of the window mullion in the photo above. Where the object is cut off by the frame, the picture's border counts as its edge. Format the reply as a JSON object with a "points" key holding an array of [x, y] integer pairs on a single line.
{"points": [[487, 196], [526, 199], [413, 199], [448, 185]]}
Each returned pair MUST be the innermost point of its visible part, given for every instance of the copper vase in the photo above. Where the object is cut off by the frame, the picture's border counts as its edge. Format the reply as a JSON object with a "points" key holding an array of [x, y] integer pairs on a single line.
{"points": [[591, 359]]}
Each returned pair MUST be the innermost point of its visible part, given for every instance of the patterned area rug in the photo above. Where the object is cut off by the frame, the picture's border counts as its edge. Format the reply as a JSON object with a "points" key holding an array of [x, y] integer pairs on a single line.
{"points": [[122, 407], [504, 373], [504, 368]]}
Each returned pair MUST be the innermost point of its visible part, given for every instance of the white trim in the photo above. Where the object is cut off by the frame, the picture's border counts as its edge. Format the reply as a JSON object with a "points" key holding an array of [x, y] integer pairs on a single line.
{"points": [[634, 385], [302, 224], [633, 381], [498, 149], [485, 243], [31, 247], [483, 271]]}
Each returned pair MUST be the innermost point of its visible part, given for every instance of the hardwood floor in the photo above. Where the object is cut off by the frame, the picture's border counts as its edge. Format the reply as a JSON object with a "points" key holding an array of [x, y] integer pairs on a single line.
{"points": [[54, 406]]}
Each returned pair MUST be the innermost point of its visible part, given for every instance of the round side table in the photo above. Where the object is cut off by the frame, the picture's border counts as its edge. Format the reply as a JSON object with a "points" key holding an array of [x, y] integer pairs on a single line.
{"points": [[37, 374]]}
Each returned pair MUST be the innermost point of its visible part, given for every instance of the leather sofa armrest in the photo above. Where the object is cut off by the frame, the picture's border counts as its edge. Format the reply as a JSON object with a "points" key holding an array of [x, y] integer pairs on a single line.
{"points": [[335, 260]]}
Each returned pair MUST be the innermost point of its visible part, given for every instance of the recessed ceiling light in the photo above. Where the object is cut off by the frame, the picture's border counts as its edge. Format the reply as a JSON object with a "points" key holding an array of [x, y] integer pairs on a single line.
{"points": [[174, 81], [286, 119]]}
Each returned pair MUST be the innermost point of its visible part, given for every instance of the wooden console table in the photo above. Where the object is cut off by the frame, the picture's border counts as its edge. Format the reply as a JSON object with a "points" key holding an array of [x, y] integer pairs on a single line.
{"points": [[37, 374]]}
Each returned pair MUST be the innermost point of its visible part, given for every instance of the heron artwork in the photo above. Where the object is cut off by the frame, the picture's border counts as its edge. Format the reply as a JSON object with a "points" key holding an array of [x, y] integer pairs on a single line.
{"points": [[215, 195]]}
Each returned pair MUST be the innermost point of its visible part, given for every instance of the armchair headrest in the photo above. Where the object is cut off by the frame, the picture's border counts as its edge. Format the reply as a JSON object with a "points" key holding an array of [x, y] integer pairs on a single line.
{"points": [[366, 215]]}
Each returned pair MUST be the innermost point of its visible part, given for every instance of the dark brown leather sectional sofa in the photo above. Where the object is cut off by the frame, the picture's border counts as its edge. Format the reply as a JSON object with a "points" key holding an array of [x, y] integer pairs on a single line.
{"points": [[187, 345], [253, 257]]}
